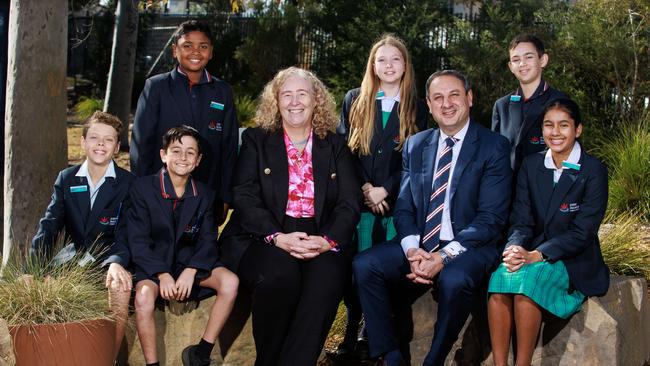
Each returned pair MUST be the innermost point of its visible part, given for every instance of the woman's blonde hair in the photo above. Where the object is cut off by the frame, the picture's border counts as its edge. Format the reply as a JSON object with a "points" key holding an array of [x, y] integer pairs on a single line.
{"points": [[324, 117], [362, 113]]}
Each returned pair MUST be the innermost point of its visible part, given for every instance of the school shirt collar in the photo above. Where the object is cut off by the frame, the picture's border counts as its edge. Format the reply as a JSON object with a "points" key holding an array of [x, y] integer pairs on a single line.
{"points": [[574, 159], [94, 188], [205, 77], [167, 188], [541, 89]]}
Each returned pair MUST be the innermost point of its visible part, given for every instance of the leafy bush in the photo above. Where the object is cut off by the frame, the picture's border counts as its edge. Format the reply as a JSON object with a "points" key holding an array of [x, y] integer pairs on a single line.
{"points": [[627, 154], [246, 107], [86, 107], [34, 290], [622, 245]]}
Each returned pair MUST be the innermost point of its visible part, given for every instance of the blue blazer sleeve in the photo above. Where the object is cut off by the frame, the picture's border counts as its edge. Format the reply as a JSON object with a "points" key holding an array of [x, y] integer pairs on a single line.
{"points": [[405, 209], [522, 219], [139, 235], [52, 222], [229, 148], [143, 145]]}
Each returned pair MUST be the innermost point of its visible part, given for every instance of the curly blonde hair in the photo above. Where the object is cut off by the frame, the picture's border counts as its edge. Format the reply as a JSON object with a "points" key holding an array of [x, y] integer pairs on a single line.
{"points": [[324, 117]]}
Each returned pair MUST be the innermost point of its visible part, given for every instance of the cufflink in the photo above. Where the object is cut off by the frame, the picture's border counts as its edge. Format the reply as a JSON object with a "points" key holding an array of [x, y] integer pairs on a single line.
{"points": [[267, 171], [333, 176]]}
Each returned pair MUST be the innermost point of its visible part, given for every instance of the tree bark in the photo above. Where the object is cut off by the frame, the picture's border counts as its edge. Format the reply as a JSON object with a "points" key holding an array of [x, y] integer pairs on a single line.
{"points": [[35, 116], [120, 76]]}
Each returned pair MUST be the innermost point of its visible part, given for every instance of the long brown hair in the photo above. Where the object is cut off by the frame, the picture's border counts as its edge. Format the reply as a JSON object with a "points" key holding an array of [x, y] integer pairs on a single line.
{"points": [[362, 113]]}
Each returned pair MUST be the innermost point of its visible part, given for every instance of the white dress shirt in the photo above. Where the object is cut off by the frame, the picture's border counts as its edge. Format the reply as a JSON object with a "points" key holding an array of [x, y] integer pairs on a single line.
{"points": [[93, 189]]}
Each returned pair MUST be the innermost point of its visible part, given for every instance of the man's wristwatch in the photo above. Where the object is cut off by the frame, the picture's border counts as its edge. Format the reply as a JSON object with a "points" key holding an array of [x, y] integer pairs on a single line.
{"points": [[445, 258]]}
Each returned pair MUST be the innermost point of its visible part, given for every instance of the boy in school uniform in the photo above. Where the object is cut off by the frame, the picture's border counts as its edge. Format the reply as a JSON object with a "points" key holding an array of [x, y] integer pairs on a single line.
{"points": [[174, 244], [517, 115], [88, 202], [189, 95]]}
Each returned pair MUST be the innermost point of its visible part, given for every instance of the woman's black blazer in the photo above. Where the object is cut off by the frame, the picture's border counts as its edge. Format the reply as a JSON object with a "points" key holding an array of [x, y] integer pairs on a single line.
{"points": [[260, 191]]}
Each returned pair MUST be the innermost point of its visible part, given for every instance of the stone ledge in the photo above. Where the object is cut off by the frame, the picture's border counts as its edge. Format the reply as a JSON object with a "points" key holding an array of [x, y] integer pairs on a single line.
{"points": [[610, 330]]}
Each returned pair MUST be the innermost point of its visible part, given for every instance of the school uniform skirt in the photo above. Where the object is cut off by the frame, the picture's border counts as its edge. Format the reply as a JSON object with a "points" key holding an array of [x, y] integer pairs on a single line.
{"points": [[547, 284]]}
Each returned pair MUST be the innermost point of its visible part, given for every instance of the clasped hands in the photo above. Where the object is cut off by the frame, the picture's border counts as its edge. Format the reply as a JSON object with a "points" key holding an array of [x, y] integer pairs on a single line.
{"points": [[179, 289], [375, 198], [514, 257], [424, 265], [302, 246]]}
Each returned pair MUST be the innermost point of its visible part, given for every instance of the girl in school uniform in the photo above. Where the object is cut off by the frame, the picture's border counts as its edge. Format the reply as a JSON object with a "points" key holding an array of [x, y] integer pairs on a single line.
{"points": [[552, 260], [376, 119]]}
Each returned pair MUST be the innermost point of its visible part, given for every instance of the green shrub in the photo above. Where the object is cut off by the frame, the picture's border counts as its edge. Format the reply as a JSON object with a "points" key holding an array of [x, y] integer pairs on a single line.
{"points": [[34, 290], [623, 246], [86, 107], [627, 154], [246, 107]]}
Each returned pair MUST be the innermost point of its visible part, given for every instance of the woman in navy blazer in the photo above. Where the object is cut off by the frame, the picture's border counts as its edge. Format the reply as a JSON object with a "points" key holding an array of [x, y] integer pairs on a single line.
{"points": [[296, 196], [552, 259]]}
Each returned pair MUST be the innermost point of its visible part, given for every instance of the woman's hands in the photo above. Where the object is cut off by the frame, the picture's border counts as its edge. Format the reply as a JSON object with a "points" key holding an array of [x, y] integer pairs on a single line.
{"points": [[514, 257], [375, 198], [301, 245]]}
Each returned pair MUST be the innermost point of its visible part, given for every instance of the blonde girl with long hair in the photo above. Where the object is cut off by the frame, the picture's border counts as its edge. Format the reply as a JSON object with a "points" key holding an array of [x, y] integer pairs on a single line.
{"points": [[376, 119]]}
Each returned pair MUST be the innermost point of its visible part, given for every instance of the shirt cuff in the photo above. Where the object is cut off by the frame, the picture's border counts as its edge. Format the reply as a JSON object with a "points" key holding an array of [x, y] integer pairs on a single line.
{"points": [[454, 249], [269, 238], [410, 242], [334, 246]]}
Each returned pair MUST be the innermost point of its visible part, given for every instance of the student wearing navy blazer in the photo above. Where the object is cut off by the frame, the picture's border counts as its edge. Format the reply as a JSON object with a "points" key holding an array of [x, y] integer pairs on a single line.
{"points": [[552, 259], [87, 228]]}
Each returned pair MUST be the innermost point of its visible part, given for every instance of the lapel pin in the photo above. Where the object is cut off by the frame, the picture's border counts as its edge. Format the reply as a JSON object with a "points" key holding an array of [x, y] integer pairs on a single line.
{"points": [[333, 176], [267, 171]]}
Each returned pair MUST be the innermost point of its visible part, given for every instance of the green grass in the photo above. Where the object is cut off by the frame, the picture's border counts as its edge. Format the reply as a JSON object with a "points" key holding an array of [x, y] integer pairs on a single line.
{"points": [[86, 107], [246, 107], [34, 290], [623, 245], [627, 155]]}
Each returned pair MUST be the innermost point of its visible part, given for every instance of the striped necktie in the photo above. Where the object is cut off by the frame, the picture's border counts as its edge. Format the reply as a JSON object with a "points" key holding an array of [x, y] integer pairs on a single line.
{"points": [[431, 239]]}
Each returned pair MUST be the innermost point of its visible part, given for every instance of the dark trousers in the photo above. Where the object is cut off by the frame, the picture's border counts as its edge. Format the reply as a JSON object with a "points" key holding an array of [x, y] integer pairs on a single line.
{"points": [[294, 301], [381, 272]]}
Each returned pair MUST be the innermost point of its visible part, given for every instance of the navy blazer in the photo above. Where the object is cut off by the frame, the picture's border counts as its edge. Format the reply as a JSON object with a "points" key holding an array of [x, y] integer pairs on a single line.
{"points": [[383, 166], [479, 189], [523, 130], [165, 102], [156, 246], [103, 227], [563, 222], [261, 186]]}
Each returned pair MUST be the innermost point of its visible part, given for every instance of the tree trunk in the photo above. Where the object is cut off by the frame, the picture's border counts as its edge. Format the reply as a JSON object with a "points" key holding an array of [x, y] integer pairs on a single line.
{"points": [[120, 76], [35, 117]]}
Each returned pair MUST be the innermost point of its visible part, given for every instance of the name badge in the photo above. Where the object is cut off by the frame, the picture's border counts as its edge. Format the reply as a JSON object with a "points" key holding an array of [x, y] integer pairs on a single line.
{"points": [[78, 189], [566, 164], [515, 98], [216, 105], [380, 94]]}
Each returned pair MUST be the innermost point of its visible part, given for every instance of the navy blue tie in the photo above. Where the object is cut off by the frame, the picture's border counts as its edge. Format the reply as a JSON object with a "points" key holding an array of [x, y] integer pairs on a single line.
{"points": [[433, 224]]}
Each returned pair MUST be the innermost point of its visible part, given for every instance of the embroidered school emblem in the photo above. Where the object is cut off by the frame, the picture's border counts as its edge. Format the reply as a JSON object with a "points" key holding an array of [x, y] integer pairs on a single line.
{"points": [[105, 220], [535, 140], [564, 207], [396, 139], [214, 125]]}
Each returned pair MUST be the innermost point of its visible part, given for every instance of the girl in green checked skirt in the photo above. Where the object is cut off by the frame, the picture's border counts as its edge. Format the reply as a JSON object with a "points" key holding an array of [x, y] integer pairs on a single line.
{"points": [[376, 120], [552, 259]]}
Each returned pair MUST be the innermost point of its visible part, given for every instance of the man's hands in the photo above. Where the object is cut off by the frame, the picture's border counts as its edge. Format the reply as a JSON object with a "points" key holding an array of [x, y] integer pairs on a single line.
{"points": [[179, 289], [424, 266], [514, 257], [118, 278], [301, 245], [374, 198]]}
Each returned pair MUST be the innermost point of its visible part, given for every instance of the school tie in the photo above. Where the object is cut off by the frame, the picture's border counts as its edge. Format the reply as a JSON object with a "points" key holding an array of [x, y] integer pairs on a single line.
{"points": [[431, 239]]}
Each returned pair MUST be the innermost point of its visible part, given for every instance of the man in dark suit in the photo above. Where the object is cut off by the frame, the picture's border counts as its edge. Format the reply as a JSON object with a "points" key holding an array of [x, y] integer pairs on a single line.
{"points": [[189, 95], [452, 206]]}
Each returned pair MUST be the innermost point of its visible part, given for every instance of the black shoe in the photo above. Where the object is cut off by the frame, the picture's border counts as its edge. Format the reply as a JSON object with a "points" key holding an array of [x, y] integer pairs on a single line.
{"points": [[190, 358]]}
